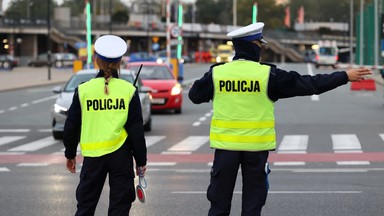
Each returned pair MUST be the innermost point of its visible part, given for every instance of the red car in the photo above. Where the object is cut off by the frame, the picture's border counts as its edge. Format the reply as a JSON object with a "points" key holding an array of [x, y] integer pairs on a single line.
{"points": [[166, 90]]}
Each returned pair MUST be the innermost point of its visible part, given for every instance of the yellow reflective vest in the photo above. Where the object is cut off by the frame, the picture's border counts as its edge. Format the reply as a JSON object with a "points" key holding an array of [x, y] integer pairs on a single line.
{"points": [[243, 115], [104, 116]]}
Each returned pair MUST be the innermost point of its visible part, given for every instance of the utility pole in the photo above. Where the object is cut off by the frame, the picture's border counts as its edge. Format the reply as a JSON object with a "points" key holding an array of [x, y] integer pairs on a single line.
{"points": [[376, 46], [49, 38], [168, 33], [361, 31], [234, 8], [351, 33]]}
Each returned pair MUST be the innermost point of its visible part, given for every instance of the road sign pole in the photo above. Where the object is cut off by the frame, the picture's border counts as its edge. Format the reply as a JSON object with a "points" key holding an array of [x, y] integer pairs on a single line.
{"points": [[168, 33]]}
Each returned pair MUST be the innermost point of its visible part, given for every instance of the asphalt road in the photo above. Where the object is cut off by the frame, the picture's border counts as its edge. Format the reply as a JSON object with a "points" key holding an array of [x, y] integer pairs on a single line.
{"points": [[329, 161]]}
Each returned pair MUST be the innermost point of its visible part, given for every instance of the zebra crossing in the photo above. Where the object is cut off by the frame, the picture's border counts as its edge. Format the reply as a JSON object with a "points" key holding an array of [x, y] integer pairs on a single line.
{"points": [[188, 146]]}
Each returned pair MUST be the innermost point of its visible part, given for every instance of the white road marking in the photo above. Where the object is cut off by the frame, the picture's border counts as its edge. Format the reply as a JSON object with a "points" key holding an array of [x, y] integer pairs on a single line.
{"points": [[292, 144], [310, 72], [4, 169], [347, 143], [151, 140], [191, 143], [35, 145], [14, 130], [8, 139]]}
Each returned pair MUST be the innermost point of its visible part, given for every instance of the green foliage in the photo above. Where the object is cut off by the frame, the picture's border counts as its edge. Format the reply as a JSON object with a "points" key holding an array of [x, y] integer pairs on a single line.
{"points": [[120, 16], [35, 9]]}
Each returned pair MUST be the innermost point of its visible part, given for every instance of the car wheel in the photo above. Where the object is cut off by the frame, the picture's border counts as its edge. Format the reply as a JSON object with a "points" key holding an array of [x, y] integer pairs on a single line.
{"points": [[57, 135], [178, 111], [6, 65], [58, 64], [148, 125]]}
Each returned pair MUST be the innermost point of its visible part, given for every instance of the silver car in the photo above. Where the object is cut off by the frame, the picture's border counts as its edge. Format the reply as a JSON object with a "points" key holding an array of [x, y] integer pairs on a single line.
{"points": [[63, 102]]}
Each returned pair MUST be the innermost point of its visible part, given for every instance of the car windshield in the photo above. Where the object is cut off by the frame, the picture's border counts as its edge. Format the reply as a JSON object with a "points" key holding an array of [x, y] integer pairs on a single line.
{"points": [[77, 79], [154, 72], [327, 51]]}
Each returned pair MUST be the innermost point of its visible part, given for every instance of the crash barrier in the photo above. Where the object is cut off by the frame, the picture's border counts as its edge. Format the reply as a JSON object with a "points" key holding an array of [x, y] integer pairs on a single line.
{"points": [[368, 84]]}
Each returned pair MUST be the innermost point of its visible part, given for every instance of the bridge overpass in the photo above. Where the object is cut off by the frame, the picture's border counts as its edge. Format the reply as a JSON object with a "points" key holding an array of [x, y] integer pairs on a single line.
{"points": [[27, 39]]}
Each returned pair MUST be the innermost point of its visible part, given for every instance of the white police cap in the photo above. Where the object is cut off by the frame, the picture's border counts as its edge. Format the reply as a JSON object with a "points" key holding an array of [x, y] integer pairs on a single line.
{"points": [[110, 48], [249, 33]]}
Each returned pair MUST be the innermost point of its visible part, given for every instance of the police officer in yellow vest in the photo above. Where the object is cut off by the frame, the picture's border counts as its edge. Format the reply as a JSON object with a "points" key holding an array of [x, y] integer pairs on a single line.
{"points": [[242, 131], [110, 137]]}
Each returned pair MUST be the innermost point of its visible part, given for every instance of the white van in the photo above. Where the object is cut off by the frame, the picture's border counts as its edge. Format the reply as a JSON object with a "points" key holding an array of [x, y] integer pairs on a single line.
{"points": [[327, 53]]}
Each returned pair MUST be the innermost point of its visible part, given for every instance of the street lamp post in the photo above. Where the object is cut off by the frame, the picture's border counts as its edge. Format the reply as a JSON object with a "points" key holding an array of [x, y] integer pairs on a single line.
{"points": [[234, 8], [49, 37]]}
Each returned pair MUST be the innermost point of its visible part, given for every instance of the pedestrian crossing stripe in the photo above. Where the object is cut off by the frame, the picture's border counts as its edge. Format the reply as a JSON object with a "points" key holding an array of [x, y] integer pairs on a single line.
{"points": [[347, 143], [36, 145], [4, 169], [290, 144], [8, 139]]}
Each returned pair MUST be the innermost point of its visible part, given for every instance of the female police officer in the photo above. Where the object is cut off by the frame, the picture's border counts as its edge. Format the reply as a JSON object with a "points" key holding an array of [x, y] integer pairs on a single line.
{"points": [[242, 127], [109, 136]]}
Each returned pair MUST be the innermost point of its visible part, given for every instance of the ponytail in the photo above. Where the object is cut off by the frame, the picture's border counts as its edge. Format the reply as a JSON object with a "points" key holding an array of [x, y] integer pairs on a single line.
{"points": [[107, 68]]}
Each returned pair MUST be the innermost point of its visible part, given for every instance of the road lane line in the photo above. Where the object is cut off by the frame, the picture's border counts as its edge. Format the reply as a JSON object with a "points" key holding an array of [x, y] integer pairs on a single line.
{"points": [[14, 130], [33, 164], [310, 72], [36, 145], [44, 99], [278, 192]]}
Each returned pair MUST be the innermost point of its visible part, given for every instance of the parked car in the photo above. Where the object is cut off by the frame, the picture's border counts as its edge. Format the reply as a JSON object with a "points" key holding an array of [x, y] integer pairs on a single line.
{"points": [[58, 60], [166, 90], [63, 102], [8, 61], [310, 56], [161, 57], [141, 56]]}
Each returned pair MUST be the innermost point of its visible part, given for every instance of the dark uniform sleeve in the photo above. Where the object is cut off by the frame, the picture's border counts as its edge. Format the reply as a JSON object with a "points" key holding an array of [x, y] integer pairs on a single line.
{"points": [[283, 84], [135, 129], [71, 134], [202, 89]]}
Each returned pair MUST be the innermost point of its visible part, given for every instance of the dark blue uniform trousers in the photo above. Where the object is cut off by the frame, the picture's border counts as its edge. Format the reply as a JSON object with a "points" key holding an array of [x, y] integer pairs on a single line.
{"points": [[119, 166], [223, 179]]}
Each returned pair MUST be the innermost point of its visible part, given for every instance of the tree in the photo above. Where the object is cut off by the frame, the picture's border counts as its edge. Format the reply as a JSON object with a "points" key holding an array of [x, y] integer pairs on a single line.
{"points": [[221, 12], [29, 9]]}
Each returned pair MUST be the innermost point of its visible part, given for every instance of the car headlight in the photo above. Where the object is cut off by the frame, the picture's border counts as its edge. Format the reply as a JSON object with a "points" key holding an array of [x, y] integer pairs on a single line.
{"points": [[59, 109], [218, 59], [176, 89]]}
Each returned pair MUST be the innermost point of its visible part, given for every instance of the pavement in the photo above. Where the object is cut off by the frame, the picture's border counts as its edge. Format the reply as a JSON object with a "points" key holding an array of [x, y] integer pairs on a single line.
{"points": [[24, 77]]}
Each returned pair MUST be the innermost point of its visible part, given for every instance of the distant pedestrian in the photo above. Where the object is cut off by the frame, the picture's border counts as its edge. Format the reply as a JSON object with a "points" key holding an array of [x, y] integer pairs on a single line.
{"points": [[243, 93], [106, 115]]}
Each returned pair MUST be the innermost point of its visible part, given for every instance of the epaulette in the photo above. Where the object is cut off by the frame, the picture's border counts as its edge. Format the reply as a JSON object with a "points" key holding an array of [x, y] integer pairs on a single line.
{"points": [[269, 64], [217, 64]]}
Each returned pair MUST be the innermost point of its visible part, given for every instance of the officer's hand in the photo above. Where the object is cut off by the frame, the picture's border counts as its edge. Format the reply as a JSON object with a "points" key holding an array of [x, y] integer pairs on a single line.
{"points": [[71, 165], [140, 170], [357, 74]]}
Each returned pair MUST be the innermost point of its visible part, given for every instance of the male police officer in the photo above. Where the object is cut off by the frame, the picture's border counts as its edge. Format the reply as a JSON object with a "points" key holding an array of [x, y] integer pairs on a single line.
{"points": [[243, 125], [107, 111]]}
